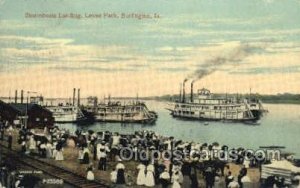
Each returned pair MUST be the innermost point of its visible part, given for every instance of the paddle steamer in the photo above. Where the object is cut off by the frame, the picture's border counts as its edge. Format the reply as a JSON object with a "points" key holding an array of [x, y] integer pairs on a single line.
{"points": [[205, 106]]}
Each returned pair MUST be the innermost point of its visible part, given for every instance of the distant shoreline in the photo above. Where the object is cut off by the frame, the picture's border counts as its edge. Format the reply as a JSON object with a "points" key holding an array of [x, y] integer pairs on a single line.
{"points": [[281, 102], [268, 99]]}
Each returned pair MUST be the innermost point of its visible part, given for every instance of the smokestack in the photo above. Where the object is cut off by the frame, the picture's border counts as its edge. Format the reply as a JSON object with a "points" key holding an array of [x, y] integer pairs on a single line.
{"points": [[78, 93], [22, 96], [192, 94], [183, 92], [95, 102], [16, 96], [74, 93], [180, 93]]}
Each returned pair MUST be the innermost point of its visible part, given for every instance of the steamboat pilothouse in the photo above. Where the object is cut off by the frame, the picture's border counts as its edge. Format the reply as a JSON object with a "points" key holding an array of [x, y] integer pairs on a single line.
{"points": [[205, 106]]}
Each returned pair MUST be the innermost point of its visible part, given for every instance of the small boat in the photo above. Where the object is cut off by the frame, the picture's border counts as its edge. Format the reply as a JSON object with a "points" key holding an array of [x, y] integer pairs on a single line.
{"points": [[206, 123], [272, 147]]}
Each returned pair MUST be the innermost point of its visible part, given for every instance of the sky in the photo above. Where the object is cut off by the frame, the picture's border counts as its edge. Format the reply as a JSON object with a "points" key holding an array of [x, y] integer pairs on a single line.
{"points": [[224, 45]]}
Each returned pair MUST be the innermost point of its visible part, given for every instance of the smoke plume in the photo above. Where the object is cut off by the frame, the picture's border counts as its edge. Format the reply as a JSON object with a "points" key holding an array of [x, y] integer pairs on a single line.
{"points": [[233, 58]]}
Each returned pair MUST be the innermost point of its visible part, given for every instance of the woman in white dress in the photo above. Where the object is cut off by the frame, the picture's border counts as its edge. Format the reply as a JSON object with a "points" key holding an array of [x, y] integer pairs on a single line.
{"points": [[48, 150], [80, 154], [150, 182], [54, 151], [176, 179], [141, 178], [32, 144], [59, 155], [175, 182], [113, 176]]}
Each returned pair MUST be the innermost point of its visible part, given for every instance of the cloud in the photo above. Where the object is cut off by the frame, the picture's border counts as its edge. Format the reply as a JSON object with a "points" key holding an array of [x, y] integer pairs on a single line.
{"points": [[268, 70], [64, 55], [17, 50], [12, 40]]}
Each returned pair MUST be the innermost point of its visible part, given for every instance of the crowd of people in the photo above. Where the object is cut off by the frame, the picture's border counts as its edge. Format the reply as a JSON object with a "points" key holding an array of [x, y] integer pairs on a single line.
{"points": [[157, 163], [160, 160]]}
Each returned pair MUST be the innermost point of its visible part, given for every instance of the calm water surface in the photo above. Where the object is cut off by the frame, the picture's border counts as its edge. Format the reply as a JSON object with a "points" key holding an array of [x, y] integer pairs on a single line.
{"points": [[281, 126]]}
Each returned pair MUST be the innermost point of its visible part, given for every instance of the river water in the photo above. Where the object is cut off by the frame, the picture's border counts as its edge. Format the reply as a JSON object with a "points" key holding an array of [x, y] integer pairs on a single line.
{"points": [[280, 127]]}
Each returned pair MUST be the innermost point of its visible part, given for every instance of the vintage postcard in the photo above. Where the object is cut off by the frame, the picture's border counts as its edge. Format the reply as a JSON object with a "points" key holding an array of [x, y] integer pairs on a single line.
{"points": [[154, 93]]}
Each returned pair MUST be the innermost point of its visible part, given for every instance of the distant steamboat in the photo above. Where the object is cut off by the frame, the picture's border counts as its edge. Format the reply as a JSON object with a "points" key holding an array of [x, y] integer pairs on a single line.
{"points": [[63, 112], [115, 111], [66, 114], [207, 107]]}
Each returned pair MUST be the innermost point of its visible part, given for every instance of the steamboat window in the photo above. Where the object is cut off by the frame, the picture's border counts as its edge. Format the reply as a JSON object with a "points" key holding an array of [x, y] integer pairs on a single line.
{"points": [[45, 119], [37, 119]]}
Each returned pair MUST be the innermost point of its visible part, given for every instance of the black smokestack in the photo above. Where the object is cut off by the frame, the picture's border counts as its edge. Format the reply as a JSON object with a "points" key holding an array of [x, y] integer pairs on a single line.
{"points": [[192, 92], [74, 93], [180, 97], [22, 96], [16, 96], [78, 93], [183, 90]]}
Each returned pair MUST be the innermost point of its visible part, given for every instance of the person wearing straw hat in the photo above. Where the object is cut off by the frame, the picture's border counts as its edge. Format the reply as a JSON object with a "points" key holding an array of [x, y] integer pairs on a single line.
{"points": [[233, 184], [176, 179], [165, 178], [246, 181], [102, 150], [228, 178]]}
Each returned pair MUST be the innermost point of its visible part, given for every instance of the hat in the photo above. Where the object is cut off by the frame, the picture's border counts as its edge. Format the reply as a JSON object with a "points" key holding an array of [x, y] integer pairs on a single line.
{"points": [[208, 169], [152, 147]]}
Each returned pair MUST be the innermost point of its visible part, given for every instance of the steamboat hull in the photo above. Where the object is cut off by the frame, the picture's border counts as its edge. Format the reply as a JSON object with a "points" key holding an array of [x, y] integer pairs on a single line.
{"points": [[142, 121], [194, 118], [59, 120], [124, 118], [233, 112]]}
